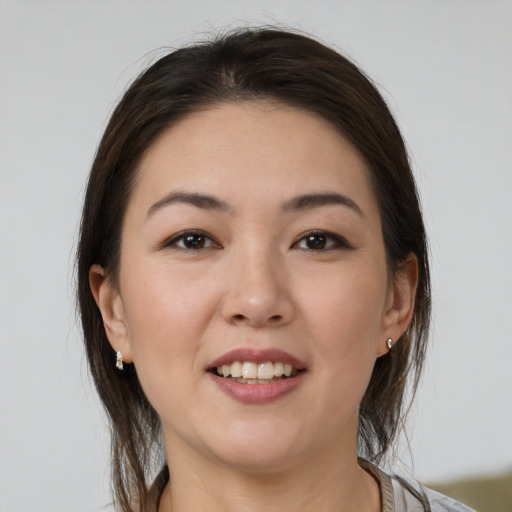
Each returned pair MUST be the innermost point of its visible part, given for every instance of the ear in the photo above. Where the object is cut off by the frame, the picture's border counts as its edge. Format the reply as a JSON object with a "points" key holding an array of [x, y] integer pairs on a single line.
{"points": [[400, 303], [110, 304]]}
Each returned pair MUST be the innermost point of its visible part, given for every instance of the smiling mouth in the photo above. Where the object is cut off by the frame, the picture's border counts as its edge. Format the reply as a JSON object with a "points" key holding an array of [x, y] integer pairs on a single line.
{"points": [[248, 372]]}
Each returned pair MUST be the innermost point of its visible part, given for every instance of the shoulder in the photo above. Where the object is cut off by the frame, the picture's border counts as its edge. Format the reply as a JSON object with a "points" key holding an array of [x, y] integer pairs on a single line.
{"points": [[409, 495]]}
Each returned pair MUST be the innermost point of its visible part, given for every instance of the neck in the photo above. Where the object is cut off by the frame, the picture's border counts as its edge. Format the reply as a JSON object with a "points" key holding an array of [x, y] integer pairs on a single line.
{"points": [[330, 483]]}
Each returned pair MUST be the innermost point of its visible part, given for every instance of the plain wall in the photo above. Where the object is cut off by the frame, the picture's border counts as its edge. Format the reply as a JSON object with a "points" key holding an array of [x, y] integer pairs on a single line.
{"points": [[446, 69]]}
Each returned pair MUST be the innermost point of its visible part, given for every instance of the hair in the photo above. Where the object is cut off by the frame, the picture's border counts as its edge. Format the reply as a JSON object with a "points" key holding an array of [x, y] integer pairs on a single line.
{"points": [[248, 65]]}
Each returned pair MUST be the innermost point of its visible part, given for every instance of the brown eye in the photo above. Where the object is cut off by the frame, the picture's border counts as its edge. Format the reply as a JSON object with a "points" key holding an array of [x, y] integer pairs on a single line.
{"points": [[194, 241], [315, 241], [191, 240], [322, 241]]}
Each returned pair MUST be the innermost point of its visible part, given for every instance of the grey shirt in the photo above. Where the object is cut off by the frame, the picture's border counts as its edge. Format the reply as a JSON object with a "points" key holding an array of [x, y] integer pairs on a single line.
{"points": [[398, 495]]}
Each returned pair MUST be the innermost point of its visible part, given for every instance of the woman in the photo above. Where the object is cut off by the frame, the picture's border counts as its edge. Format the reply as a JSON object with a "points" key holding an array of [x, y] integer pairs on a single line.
{"points": [[254, 283]]}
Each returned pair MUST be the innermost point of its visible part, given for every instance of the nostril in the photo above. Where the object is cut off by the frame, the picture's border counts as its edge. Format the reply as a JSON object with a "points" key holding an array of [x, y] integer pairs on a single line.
{"points": [[272, 319]]}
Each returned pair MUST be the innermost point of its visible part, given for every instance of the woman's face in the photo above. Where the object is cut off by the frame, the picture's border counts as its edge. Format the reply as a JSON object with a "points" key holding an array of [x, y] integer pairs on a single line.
{"points": [[252, 242]]}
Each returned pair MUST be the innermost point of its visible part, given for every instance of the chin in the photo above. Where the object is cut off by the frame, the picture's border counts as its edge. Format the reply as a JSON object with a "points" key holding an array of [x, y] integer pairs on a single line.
{"points": [[256, 448], [261, 464]]}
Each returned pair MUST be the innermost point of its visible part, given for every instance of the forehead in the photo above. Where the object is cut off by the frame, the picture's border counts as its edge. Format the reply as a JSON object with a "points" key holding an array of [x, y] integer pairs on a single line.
{"points": [[241, 151]]}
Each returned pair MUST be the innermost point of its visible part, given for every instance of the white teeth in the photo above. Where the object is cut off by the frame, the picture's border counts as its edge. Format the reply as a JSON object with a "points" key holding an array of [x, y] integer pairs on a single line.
{"points": [[249, 370], [266, 371], [278, 369], [253, 381], [253, 373], [236, 369]]}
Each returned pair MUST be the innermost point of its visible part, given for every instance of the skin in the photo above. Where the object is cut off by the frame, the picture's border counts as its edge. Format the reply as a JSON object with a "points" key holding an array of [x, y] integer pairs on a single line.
{"points": [[256, 283]]}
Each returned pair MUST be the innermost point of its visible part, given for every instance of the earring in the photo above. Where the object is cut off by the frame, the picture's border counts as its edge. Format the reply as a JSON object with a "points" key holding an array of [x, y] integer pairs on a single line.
{"points": [[119, 361], [389, 343]]}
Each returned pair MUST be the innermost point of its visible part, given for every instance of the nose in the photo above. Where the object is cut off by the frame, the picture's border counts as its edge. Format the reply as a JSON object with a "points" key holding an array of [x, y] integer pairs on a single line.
{"points": [[258, 293]]}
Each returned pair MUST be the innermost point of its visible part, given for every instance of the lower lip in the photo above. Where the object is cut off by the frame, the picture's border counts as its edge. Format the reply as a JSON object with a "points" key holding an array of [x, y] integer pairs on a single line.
{"points": [[257, 393]]}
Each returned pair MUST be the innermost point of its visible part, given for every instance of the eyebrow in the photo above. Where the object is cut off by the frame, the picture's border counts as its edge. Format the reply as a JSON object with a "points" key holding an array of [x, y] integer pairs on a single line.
{"points": [[307, 201], [199, 200], [298, 203]]}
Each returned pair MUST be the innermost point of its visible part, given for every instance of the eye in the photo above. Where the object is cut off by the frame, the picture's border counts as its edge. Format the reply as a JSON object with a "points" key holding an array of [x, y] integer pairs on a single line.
{"points": [[192, 240], [321, 241]]}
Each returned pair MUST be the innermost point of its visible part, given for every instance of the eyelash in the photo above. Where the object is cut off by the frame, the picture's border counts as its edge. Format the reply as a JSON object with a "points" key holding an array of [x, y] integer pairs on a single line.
{"points": [[181, 237], [332, 240]]}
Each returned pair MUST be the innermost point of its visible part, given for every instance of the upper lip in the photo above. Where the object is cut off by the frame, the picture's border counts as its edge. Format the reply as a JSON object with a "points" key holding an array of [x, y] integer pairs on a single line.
{"points": [[257, 356]]}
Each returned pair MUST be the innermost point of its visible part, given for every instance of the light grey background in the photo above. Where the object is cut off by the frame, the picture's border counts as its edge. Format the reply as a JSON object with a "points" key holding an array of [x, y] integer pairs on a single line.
{"points": [[445, 68]]}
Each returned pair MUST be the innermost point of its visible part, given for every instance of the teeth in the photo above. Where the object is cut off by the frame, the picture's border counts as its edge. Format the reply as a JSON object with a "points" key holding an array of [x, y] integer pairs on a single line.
{"points": [[278, 369], [236, 369], [253, 373], [249, 370], [266, 371], [253, 381]]}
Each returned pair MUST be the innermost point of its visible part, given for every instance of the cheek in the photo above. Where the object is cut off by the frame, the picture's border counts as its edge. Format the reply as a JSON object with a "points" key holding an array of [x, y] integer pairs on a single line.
{"points": [[340, 316], [161, 301], [347, 307], [345, 321], [166, 313]]}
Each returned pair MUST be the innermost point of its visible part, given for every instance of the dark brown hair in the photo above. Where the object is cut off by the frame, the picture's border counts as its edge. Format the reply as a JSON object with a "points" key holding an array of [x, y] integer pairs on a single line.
{"points": [[244, 66]]}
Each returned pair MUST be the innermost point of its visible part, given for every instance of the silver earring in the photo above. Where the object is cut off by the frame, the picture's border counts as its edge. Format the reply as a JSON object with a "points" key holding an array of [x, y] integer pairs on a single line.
{"points": [[389, 343], [119, 361]]}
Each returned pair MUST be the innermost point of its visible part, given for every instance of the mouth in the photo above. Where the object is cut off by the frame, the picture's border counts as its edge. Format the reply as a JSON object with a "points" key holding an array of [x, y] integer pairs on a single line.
{"points": [[254, 376], [249, 372]]}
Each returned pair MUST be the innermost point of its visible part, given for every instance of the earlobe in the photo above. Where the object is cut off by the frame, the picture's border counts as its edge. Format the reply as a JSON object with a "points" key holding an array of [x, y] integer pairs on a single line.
{"points": [[400, 304], [110, 305]]}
